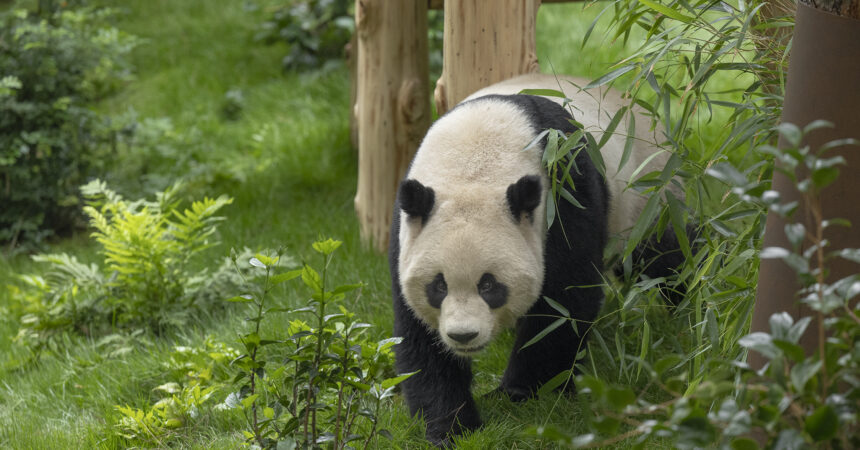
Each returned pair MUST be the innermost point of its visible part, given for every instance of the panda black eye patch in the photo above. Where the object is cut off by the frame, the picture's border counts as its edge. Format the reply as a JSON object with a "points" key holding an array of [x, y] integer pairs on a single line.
{"points": [[436, 291], [493, 292]]}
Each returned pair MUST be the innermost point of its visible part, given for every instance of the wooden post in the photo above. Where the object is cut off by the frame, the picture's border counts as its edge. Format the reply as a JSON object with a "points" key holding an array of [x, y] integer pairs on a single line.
{"points": [[822, 84], [351, 51], [393, 105], [485, 41]]}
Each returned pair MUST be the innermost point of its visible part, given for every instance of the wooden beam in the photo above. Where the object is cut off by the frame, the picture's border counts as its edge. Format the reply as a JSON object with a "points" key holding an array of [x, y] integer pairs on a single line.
{"points": [[439, 4], [485, 41], [822, 85], [392, 106]]}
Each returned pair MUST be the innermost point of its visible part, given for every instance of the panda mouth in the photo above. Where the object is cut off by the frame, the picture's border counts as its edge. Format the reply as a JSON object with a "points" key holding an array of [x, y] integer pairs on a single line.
{"points": [[465, 351]]}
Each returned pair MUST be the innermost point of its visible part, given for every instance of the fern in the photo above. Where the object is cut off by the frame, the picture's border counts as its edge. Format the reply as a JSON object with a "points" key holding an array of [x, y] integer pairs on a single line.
{"points": [[145, 279]]}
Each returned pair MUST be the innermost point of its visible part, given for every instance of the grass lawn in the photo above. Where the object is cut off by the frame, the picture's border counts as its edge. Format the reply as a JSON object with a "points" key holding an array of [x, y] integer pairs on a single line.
{"points": [[292, 174]]}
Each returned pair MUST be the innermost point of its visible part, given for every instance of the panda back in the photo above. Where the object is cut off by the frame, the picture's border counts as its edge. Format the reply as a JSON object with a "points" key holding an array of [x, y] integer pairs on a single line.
{"points": [[594, 109]]}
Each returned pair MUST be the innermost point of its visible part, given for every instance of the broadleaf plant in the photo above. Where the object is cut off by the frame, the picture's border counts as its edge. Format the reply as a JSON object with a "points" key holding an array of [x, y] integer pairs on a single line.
{"points": [[800, 398], [147, 280], [324, 382]]}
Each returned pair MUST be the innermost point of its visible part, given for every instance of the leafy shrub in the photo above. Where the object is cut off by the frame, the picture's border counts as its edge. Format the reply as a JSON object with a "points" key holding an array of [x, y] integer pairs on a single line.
{"points": [[692, 388], [798, 399], [52, 68], [154, 154], [232, 104], [147, 279], [697, 64], [197, 374], [315, 31], [325, 382]]}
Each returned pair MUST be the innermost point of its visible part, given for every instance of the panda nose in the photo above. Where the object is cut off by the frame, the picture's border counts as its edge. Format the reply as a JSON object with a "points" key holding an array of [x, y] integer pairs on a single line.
{"points": [[463, 337]]}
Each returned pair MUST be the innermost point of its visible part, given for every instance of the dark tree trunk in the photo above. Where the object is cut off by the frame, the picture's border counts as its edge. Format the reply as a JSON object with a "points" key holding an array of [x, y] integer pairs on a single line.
{"points": [[844, 8], [823, 83]]}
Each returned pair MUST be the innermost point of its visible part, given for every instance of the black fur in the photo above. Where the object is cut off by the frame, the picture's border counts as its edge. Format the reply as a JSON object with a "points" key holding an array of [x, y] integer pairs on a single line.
{"points": [[660, 258], [440, 391], [415, 199], [573, 257], [524, 196], [493, 292], [436, 291]]}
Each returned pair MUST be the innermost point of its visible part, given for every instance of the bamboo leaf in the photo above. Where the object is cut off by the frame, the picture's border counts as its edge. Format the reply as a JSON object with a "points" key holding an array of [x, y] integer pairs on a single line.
{"points": [[556, 306], [549, 329], [609, 77], [646, 220], [628, 142], [610, 129], [667, 11], [543, 92]]}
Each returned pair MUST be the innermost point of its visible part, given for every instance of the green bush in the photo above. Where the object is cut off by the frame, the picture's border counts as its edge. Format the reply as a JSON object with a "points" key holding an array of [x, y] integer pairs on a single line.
{"points": [[799, 399], [679, 374], [315, 31], [324, 382], [154, 154], [147, 279], [196, 376], [53, 66], [695, 65]]}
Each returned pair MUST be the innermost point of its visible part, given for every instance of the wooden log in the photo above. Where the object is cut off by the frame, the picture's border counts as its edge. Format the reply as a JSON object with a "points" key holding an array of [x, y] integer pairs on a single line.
{"points": [[822, 84], [392, 107], [439, 4], [351, 51], [485, 41]]}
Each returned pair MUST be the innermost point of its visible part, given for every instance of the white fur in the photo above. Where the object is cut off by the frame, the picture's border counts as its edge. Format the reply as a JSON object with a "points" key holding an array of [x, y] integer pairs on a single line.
{"points": [[594, 109], [469, 158]]}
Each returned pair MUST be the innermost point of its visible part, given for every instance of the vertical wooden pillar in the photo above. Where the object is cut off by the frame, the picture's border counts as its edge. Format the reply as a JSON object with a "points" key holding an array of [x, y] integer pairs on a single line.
{"points": [[485, 41], [822, 84], [392, 107], [351, 51]]}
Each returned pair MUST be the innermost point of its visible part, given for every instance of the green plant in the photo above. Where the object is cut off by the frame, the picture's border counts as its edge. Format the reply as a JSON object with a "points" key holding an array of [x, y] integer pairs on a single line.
{"points": [[147, 279], [199, 374], [800, 397], [684, 74], [155, 153], [330, 377], [53, 66], [693, 65], [315, 31]]}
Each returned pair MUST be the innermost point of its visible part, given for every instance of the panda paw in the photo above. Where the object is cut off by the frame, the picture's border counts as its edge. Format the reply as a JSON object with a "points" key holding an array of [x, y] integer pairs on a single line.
{"points": [[514, 394], [443, 436], [441, 442]]}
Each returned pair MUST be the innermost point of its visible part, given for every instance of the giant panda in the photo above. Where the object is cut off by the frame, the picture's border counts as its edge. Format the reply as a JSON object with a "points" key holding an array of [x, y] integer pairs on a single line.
{"points": [[470, 252]]}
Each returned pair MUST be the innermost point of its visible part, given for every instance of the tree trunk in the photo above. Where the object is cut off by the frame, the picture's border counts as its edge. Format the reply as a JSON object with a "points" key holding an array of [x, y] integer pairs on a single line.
{"points": [[351, 51], [393, 105], [823, 83], [485, 41], [845, 8]]}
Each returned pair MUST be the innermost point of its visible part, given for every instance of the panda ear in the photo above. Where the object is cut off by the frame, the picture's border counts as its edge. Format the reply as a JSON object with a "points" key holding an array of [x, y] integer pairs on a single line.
{"points": [[415, 199], [524, 196]]}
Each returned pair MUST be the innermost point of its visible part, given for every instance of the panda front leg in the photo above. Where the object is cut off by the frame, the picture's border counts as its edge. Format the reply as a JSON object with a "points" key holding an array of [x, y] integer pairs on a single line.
{"points": [[531, 367], [440, 391]]}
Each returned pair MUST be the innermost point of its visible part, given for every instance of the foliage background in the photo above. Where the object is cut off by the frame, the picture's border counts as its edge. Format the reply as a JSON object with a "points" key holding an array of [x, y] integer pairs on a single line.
{"points": [[208, 103]]}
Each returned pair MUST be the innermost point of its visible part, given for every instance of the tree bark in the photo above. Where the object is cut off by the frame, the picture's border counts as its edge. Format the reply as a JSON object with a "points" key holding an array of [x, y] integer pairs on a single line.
{"points": [[485, 41], [823, 83], [351, 51], [844, 8], [439, 4], [392, 107]]}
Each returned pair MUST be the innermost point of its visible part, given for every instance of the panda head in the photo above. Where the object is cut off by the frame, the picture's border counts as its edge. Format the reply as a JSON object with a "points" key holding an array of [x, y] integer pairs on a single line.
{"points": [[471, 247], [470, 267]]}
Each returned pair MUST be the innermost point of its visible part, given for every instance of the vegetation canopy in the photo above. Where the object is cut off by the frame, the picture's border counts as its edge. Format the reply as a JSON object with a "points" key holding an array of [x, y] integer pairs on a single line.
{"points": [[139, 141]]}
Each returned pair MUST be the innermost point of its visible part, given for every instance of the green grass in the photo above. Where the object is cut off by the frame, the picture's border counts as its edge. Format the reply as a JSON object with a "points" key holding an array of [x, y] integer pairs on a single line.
{"points": [[292, 183]]}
